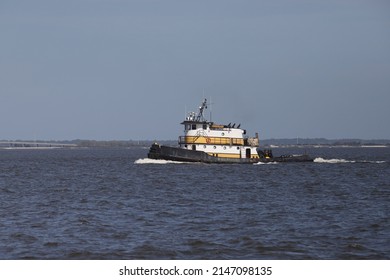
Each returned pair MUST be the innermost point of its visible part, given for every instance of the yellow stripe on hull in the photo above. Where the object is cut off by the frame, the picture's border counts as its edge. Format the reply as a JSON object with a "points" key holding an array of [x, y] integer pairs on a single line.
{"points": [[225, 155], [213, 140]]}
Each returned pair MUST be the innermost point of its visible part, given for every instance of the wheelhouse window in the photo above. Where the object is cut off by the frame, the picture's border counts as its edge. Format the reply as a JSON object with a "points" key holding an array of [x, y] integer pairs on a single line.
{"points": [[193, 126]]}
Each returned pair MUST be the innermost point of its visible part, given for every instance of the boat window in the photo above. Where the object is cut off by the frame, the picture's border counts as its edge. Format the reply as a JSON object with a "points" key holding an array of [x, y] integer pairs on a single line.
{"points": [[194, 126], [204, 126]]}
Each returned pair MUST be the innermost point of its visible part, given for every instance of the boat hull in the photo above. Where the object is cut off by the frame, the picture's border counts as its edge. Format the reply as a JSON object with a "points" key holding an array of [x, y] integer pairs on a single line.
{"points": [[179, 154]]}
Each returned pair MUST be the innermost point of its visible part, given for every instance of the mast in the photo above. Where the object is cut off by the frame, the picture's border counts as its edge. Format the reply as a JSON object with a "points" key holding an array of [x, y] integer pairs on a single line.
{"points": [[200, 116], [211, 110]]}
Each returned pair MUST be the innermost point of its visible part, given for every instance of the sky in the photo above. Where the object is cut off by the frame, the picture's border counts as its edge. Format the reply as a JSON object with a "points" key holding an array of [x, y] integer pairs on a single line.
{"points": [[131, 69]]}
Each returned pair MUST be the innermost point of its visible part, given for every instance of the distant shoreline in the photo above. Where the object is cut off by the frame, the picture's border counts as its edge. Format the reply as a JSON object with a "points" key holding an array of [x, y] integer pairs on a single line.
{"points": [[272, 143]]}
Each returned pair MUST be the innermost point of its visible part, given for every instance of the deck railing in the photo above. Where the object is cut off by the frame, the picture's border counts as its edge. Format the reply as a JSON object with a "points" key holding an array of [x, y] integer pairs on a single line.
{"points": [[190, 140]]}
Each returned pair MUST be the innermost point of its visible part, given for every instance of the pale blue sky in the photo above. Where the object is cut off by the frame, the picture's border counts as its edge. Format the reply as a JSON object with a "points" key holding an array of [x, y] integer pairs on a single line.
{"points": [[127, 69]]}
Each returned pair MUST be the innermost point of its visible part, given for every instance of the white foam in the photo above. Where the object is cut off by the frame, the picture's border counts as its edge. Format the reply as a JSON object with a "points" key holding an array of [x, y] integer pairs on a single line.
{"points": [[374, 146], [260, 163], [333, 160], [155, 161], [377, 161]]}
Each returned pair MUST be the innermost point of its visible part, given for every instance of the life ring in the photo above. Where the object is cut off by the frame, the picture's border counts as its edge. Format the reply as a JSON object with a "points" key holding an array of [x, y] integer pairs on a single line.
{"points": [[208, 140]]}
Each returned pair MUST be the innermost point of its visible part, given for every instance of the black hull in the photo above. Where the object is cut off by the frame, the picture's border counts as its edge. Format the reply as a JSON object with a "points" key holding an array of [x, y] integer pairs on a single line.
{"points": [[178, 154]]}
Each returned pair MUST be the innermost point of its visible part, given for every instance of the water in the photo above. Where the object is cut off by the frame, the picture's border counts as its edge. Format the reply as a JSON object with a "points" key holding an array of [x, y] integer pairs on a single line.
{"points": [[115, 204]]}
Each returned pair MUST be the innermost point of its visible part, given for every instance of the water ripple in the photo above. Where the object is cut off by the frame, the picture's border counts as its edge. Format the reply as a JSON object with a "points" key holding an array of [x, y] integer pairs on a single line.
{"points": [[100, 204]]}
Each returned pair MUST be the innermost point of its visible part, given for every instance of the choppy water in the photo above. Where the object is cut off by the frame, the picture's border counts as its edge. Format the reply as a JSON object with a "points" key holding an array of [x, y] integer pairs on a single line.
{"points": [[115, 204]]}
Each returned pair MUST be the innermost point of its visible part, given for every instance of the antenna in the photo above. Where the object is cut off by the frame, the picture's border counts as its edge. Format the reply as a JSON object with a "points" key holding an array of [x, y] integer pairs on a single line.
{"points": [[211, 110], [201, 109]]}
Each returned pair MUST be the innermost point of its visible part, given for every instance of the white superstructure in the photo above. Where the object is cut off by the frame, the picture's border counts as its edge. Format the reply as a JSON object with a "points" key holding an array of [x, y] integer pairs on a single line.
{"points": [[217, 140]]}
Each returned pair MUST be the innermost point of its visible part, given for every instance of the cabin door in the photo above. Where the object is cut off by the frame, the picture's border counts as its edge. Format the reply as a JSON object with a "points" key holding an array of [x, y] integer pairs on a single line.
{"points": [[248, 153], [194, 147]]}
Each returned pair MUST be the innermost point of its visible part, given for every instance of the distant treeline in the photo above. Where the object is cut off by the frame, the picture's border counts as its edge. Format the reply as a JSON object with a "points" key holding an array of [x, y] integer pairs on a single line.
{"points": [[83, 143], [265, 142], [119, 143], [324, 141]]}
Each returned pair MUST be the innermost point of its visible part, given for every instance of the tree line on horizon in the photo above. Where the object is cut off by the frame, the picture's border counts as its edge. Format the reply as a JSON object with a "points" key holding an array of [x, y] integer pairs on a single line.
{"points": [[265, 142]]}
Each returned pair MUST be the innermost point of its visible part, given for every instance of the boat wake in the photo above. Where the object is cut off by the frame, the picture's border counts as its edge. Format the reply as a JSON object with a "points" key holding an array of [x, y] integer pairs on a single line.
{"points": [[155, 161], [261, 163], [335, 160]]}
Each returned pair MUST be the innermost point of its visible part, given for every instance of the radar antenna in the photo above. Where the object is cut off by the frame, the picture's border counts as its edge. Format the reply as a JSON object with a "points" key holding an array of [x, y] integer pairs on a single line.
{"points": [[200, 116]]}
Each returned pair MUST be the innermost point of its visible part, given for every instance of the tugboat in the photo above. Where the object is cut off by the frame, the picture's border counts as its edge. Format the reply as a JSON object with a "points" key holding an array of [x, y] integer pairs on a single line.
{"points": [[207, 142]]}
